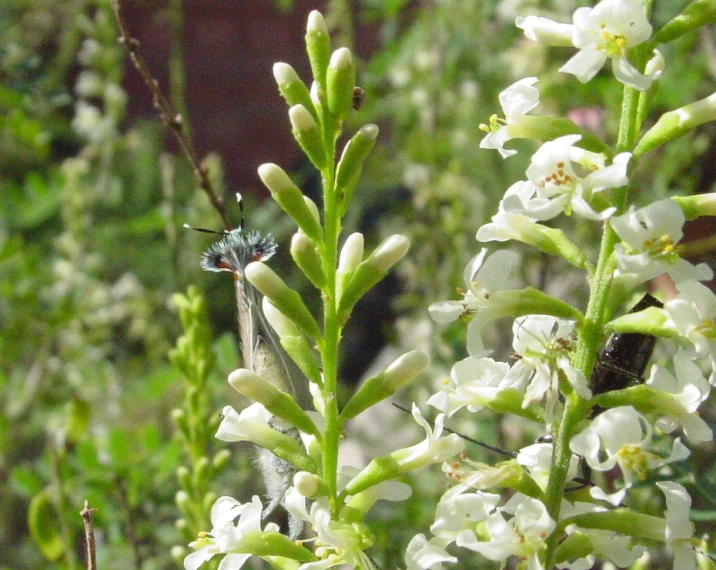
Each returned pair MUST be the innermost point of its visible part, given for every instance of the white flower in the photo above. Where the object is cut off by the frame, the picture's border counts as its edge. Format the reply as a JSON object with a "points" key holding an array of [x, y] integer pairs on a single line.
{"points": [[604, 32], [484, 276], [337, 542], [517, 100], [606, 544], [537, 459], [252, 424], [619, 436], [458, 511], [423, 554], [225, 537], [607, 31], [560, 188], [650, 235], [522, 535], [545, 31], [679, 529], [687, 390], [543, 344], [692, 313], [474, 382], [432, 449]]}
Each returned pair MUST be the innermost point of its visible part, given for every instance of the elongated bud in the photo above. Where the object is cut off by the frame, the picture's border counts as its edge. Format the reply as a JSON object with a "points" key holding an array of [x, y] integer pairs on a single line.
{"points": [[318, 47], [351, 253], [292, 89], [372, 270], [274, 400], [697, 205], [306, 256], [341, 79], [286, 300], [313, 209], [291, 199], [380, 387], [351, 164], [293, 341], [306, 132], [677, 123]]}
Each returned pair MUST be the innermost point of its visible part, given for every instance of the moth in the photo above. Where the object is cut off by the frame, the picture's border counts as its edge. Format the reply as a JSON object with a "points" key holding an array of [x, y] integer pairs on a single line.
{"points": [[261, 349]]}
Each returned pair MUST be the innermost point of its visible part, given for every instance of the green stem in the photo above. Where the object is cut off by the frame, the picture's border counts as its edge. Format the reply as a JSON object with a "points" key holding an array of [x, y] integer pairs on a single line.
{"points": [[591, 333], [332, 328]]}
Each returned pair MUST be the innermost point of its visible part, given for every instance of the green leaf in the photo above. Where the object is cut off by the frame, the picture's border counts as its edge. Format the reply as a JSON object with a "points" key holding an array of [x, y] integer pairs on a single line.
{"points": [[42, 519]]}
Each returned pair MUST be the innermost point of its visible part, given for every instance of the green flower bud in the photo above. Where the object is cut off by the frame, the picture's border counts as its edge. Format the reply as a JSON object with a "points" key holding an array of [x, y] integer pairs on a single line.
{"points": [[308, 135], [293, 90], [307, 258], [677, 123], [184, 478], [293, 341], [221, 459], [698, 205], [380, 387], [274, 400], [341, 79], [351, 164], [318, 47], [203, 472], [291, 199], [372, 270], [284, 299]]}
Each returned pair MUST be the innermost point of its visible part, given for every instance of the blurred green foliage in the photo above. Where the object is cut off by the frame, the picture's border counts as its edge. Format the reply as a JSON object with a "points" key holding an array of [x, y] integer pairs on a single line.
{"points": [[90, 253]]}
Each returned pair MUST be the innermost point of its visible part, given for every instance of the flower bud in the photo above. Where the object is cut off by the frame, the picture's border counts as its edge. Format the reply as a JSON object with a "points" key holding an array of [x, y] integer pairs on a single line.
{"points": [[306, 256], [292, 89], [340, 79], [318, 47], [279, 323], [370, 271], [351, 253], [286, 300], [307, 134], [290, 198], [272, 398], [309, 485], [380, 387], [351, 164]]}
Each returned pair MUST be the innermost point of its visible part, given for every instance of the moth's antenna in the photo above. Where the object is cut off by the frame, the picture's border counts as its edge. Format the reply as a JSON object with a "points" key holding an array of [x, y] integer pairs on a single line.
{"points": [[482, 444], [204, 230], [240, 200]]}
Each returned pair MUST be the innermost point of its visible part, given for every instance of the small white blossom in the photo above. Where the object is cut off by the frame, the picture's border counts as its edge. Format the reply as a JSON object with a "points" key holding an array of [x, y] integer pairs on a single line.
{"points": [[521, 535], [620, 436], [484, 276], [474, 382], [688, 389], [607, 31], [250, 425], [543, 345], [225, 537], [423, 554], [650, 237], [679, 528], [559, 187], [692, 313], [517, 100], [337, 542], [537, 459]]}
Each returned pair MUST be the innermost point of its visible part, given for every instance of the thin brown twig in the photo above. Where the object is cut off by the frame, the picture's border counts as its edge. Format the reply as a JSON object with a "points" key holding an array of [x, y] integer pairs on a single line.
{"points": [[86, 514], [168, 116]]}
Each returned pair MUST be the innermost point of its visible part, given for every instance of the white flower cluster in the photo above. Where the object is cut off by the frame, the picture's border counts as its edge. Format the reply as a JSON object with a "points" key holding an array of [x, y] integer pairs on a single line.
{"points": [[549, 520]]}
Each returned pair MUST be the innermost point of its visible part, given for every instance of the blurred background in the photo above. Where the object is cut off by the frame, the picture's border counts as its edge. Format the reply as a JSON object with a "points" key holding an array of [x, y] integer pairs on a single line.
{"points": [[94, 191]]}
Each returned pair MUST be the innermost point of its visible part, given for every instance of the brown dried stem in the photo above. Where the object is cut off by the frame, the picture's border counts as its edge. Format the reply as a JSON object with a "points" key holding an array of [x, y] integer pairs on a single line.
{"points": [[86, 514], [167, 114]]}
